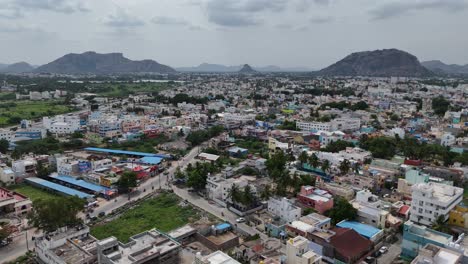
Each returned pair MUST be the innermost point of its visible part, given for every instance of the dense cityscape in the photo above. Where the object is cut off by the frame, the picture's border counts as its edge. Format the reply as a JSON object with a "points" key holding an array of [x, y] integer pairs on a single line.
{"points": [[233, 132], [248, 168]]}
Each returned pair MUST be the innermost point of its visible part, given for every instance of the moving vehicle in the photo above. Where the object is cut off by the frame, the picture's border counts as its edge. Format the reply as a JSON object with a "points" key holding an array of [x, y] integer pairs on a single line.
{"points": [[240, 220]]}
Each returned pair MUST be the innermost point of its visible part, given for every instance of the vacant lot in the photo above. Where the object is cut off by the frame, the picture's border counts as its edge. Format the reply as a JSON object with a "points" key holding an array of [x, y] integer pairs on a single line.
{"points": [[125, 89], [12, 112], [35, 193], [162, 212]]}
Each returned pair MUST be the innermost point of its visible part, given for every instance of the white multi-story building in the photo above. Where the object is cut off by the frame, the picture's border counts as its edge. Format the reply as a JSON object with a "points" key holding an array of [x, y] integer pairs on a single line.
{"points": [[317, 126], [345, 124], [7, 175], [338, 124], [370, 209], [243, 118], [297, 252], [61, 124], [6, 134], [431, 200], [448, 139], [284, 209]]}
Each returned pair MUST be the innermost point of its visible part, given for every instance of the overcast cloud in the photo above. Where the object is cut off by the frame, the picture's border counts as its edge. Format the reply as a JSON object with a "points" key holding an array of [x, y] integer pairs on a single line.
{"points": [[288, 33]]}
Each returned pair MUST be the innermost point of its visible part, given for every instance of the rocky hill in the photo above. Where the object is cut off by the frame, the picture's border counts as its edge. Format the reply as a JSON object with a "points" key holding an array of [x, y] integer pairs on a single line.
{"points": [[247, 69], [95, 63], [387, 62]]}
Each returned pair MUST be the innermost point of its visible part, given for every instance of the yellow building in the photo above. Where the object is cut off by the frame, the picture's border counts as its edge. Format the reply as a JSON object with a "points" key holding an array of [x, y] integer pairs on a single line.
{"points": [[459, 216]]}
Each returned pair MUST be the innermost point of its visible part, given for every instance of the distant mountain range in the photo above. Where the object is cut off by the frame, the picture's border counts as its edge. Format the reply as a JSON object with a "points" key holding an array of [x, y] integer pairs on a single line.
{"points": [[95, 63], [218, 68], [18, 67], [441, 68], [378, 63]]}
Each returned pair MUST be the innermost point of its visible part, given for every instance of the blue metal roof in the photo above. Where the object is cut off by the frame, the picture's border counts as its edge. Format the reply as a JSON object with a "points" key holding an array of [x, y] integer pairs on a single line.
{"points": [[223, 226], [125, 152], [364, 230], [151, 160], [57, 187], [83, 184]]}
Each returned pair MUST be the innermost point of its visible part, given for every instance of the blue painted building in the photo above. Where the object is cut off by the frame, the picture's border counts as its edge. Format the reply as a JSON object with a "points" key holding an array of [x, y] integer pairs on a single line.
{"points": [[415, 237]]}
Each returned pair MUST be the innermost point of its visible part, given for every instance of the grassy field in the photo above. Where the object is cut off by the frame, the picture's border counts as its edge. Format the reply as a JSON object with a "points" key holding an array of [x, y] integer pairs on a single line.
{"points": [[125, 89], [35, 193], [12, 111], [162, 212]]}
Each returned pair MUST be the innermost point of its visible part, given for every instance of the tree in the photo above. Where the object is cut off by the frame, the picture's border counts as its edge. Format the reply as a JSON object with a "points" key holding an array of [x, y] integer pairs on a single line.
{"points": [[235, 194], [345, 165], [342, 210], [127, 181], [314, 160], [77, 134], [303, 158], [325, 166], [440, 225], [440, 105], [42, 171], [4, 145], [5, 232], [266, 192], [51, 214], [337, 146], [179, 174]]}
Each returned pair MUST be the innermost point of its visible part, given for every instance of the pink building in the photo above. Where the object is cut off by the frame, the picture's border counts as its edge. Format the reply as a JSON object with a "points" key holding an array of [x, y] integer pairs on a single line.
{"points": [[318, 199], [13, 202]]}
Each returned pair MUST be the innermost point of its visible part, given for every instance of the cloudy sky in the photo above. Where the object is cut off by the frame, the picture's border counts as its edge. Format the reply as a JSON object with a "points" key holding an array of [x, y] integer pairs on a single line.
{"points": [[288, 33]]}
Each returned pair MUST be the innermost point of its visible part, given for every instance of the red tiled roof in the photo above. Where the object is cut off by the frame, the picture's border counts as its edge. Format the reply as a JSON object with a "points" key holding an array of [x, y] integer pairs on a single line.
{"points": [[349, 243], [404, 210]]}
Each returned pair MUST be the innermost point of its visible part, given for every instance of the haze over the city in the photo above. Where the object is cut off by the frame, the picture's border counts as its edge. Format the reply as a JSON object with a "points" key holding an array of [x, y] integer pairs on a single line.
{"points": [[287, 33]]}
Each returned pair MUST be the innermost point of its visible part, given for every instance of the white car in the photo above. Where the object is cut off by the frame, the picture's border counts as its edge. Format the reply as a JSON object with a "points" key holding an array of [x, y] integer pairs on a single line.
{"points": [[383, 250], [240, 220]]}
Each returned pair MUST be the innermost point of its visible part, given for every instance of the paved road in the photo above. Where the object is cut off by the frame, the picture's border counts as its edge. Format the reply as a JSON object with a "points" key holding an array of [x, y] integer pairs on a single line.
{"points": [[394, 250], [152, 184], [18, 246]]}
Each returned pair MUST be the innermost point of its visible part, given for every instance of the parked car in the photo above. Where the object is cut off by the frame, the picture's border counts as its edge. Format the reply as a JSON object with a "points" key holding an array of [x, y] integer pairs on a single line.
{"points": [[370, 260], [240, 220], [383, 250], [101, 214]]}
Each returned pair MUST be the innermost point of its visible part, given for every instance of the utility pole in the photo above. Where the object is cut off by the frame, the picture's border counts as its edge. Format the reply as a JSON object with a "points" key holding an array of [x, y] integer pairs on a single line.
{"points": [[27, 243]]}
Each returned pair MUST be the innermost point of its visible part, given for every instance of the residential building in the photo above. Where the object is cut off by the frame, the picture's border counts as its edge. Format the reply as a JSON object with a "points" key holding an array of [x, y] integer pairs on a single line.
{"points": [[284, 209], [7, 134], [318, 199], [371, 209], [217, 257], [416, 237], [151, 246], [367, 231], [431, 200], [447, 140], [458, 216], [347, 246], [13, 202], [7, 176], [67, 245], [297, 252], [432, 254]]}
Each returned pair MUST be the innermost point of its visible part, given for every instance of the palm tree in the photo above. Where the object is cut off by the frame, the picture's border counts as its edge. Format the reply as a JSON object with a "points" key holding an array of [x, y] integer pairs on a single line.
{"points": [[303, 158], [234, 194], [314, 160], [325, 166], [345, 166]]}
